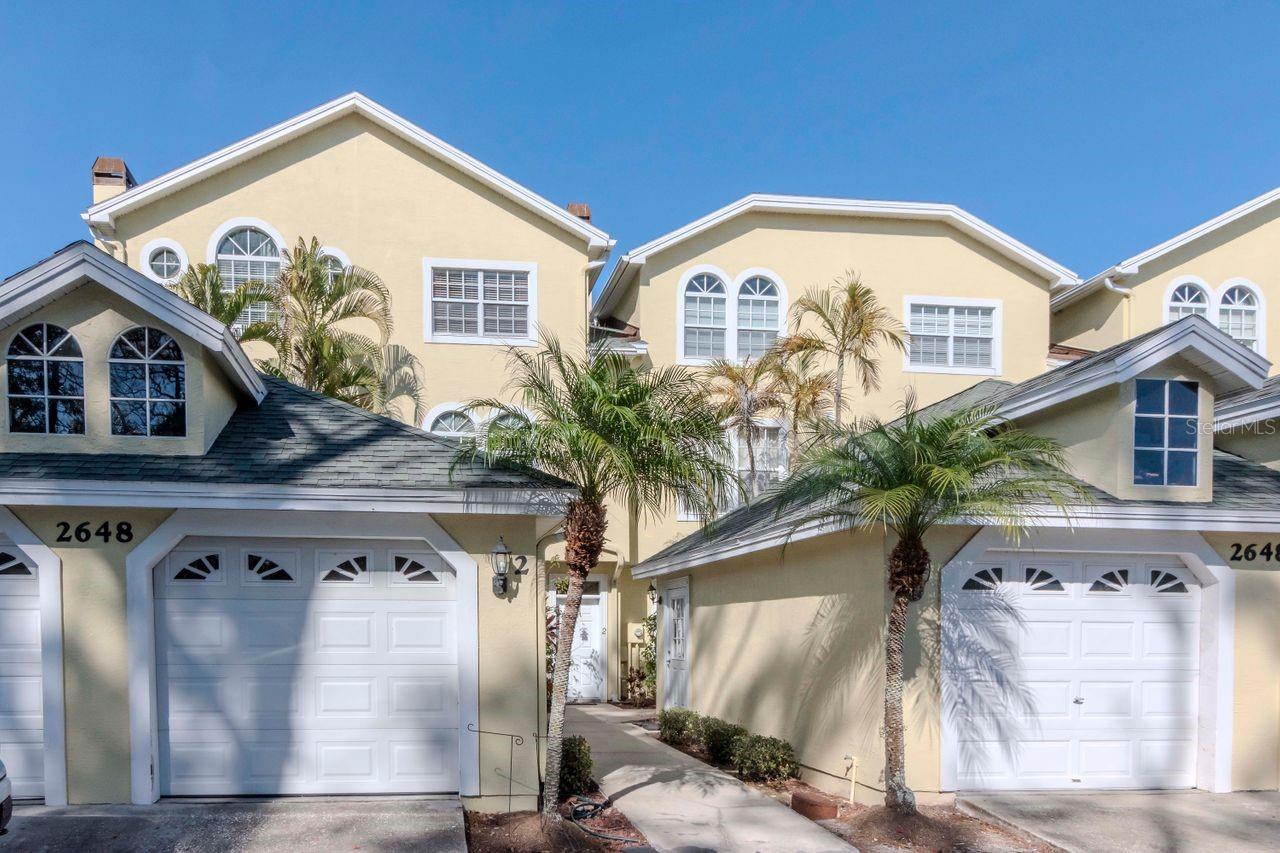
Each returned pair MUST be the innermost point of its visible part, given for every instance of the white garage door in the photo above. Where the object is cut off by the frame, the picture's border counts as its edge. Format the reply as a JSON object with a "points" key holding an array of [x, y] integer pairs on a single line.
{"points": [[1071, 671], [289, 667], [21, 693]]}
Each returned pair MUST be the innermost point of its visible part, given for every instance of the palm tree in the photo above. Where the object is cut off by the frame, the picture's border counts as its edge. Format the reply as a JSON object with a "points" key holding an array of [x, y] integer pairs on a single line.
{"points": [[808, 394], [319, 344], [739, 394], [852, 326], [202, 286], [641, 437], [909, 476]]}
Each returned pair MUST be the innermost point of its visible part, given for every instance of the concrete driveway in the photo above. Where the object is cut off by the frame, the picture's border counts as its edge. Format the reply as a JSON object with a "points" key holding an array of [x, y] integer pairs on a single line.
{"points": [[373, 824], [1133, 822]]}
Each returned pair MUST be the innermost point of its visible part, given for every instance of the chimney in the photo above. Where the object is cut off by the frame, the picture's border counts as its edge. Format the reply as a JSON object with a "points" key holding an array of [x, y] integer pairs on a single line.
{"points": [[110, 178], [580, 209]]}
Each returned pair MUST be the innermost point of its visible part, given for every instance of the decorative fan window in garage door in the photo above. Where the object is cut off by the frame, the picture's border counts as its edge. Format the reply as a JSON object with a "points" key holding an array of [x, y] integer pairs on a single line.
{"points": [[1111, 581], [984, 580], [342, 567], [1042, 580], [273, 568], [11, 566], [414, 568], [198, 568]]}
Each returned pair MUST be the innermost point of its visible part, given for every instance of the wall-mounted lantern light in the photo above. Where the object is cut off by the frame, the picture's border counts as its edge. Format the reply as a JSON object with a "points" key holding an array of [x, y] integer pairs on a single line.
{"points": [[653, 594], [504, 563]]}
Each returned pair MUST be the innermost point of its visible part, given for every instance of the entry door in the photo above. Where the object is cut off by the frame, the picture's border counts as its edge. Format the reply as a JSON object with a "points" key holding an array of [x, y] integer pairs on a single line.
{"points": [[676, 645], [1072, 671], [589, 656], [21, 681]]}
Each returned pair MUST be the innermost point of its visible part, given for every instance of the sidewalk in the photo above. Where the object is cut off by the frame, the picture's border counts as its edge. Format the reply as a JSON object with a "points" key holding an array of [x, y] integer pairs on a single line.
{"points": [[678, 802]]}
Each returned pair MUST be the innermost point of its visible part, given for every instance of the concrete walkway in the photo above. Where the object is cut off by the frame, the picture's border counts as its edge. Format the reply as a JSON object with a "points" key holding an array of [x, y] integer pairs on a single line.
{"points": [[291, 825], [1139, 822], [678, 802]]}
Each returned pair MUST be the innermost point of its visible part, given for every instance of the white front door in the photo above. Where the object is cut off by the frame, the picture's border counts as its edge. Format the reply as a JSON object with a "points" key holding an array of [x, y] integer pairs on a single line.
{"points": [[589, 655], [1072, 671], [675, 632], [21, 681], [306, 667]]}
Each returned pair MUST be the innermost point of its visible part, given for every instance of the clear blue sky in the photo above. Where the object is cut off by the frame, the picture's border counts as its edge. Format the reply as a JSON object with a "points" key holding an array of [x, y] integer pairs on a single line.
{"points": [[1089, 131]]}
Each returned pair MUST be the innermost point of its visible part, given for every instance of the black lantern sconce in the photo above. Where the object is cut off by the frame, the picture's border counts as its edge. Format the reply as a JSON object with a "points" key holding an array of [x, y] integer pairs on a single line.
{"points": [[504, 563], [653, 594]]}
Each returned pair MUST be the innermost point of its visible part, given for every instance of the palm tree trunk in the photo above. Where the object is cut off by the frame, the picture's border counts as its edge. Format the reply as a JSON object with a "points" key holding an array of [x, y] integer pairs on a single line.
{"points": [[908, 572], [793, 440], [839, 394], [751, 462], [584, 529]]}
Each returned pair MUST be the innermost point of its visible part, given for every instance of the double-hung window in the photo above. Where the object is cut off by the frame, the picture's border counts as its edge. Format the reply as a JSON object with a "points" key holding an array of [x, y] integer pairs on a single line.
{"points": [[483, 303], [1165, 432], [949, 336]]}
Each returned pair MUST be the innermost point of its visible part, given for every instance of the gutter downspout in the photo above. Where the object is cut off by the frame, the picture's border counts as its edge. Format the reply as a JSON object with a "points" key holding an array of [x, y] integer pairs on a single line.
{"points": [[1126, 325]]}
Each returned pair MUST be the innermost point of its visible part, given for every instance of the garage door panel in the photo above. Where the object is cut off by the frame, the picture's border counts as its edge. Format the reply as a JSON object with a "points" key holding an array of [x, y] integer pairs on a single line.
{"points": [[1101, 688], [306, 685], [21, 674], [23, 751]]}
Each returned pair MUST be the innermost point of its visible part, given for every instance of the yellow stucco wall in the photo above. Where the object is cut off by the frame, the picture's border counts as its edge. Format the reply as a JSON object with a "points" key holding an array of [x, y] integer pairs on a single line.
{"points": [[95, 645], [387, 205], [897, 258], [1257, 441], [96, 317], [1247, 248], [791, 644]]}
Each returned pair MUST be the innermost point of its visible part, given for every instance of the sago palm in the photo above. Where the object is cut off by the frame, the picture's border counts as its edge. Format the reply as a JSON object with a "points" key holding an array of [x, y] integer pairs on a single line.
{"points": [[851, 327], [202, 285], [740, 395], [908, 476], [643, 438], [321, 339], [808, 394]]}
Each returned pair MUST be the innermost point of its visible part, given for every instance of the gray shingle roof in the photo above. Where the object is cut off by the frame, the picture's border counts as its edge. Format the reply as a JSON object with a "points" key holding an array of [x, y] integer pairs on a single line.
{"points": [[294, 438], [1269, 389]]}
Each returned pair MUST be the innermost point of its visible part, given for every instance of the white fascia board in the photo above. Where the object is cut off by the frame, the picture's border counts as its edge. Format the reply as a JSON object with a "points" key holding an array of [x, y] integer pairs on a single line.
{"points": [[1247, 366], [962, 220], [536, 502], [68, 269], [1191, 518], [104, 213], [1243, 414]]}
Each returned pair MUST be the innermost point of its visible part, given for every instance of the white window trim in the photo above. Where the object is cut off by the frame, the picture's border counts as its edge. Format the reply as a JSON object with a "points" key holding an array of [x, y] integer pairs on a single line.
{"points": [[428, 264], [337, 254], [1210, 305], [732, 284], [997, 340], [211, 255], [1165, 448], [154, 246], [443, 408], [731, 435], [1215, 301]]}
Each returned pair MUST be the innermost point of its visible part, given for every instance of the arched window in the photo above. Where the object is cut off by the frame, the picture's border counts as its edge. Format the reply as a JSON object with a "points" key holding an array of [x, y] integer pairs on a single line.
{"points": [[333, 265], [148, 384], [453, 422], [1187, 299], [704, 317], [1238, 315], [46, 381], [757, 316], [249, 254]]}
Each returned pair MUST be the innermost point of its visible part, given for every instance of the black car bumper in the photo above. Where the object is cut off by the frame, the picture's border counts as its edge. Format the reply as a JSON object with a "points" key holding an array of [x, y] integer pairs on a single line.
{"points": [[6, 811]]}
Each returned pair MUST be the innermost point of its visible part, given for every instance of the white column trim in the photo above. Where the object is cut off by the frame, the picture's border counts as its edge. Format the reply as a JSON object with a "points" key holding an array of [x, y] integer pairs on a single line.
{"points": [[49, 573], [1217, 631], [143, 720]]}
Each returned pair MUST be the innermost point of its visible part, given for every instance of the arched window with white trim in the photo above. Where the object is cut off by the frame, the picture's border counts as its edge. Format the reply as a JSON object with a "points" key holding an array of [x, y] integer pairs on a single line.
{"points": [[704, 317], [46, 381], [1187, 299], [758, 304], [148, 383], [1238, 315], [249, 254], [452, 422]]}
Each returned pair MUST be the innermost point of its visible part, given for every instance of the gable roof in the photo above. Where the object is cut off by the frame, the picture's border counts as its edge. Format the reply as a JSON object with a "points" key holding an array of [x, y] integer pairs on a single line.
{"points": [[79, 263], [961, 219], [103, 214], [295, 438], [1131, 266]]}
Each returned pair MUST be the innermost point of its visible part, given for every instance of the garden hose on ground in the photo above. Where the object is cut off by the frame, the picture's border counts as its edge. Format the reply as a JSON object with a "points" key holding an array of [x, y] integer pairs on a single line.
{"points": [[586, 808]]}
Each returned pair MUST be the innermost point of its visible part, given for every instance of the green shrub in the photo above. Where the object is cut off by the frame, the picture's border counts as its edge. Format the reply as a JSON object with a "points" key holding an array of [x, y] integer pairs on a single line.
{"points": [[678, 726], [575, 767], [764, 759], [718, 737]]}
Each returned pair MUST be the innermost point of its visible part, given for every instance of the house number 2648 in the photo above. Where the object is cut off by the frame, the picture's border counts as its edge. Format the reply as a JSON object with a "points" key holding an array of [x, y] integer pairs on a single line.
{"points": [[122, 531]]}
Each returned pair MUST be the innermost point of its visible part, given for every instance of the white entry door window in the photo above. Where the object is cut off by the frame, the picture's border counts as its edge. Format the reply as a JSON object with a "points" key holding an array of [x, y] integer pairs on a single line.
{"points": [[675, 632], [1072, 671], [588, 657], [21, 680]]}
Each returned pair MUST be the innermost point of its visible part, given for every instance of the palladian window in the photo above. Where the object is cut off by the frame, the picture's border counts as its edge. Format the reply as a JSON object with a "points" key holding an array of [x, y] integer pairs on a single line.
{"points": [[148, 384], [46, 381]]}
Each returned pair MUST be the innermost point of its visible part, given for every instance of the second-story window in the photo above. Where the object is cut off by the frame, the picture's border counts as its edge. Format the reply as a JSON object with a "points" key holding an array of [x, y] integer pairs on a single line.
{"points": [[46, 381], [1186, 300], [704, 317], [952, 337], [1165, 432], [249, 254], [480, 302], [757, 317], [148, 384], [1238, 315]]}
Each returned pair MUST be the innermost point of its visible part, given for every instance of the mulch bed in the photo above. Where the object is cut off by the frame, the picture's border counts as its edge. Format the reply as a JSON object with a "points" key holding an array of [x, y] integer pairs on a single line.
{"points": [[526, 832]]}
